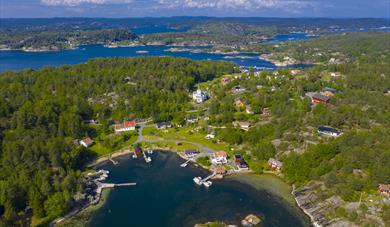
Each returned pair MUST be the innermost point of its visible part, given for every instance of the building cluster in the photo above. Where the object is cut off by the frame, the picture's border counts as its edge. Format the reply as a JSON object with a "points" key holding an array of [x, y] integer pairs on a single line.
{"points": [[322, 97]]}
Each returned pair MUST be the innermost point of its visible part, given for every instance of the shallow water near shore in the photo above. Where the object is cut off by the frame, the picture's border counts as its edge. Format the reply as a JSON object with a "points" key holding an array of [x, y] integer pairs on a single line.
{"points": [[165, 195]]}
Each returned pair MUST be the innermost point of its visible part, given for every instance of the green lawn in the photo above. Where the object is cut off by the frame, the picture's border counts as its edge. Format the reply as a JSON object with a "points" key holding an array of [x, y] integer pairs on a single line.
{"points": [[113, 142], [183, 134]]}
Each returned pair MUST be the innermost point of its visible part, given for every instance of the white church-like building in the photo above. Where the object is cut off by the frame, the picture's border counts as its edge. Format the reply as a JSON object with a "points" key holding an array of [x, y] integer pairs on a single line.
{"points": [[199, 96]]}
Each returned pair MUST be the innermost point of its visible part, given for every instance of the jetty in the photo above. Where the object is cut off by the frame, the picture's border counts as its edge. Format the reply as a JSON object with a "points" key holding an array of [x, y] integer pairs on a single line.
{"points": [[102, 186], [113, 161], [147, 159], [209, 177], [205, 181], [185, 163]]}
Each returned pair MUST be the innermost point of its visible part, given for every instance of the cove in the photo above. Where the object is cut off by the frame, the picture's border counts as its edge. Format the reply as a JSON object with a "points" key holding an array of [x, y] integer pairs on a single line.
{"points": [[165, 195]]}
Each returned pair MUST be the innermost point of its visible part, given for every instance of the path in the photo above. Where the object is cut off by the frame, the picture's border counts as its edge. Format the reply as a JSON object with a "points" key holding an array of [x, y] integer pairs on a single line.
{"points": [[205, 150]]}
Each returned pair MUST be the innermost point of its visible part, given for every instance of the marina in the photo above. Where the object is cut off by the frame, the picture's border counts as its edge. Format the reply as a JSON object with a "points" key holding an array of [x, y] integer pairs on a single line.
{"points": [[165, 190]]}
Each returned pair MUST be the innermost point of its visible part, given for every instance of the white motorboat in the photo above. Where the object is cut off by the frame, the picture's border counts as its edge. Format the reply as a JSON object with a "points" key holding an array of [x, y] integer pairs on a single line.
{"points": [[198, 180], [207, 183]]}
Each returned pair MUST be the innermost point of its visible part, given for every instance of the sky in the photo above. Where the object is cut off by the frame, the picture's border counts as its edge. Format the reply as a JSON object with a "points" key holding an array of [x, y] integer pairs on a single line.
{"points": [[217, 8]]}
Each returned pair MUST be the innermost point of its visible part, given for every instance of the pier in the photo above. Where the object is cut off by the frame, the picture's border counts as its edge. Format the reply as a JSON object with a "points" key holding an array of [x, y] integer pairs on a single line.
{"points": [[185, 163], [209, 177], [113, 161], [109, 185], [147, 159]]}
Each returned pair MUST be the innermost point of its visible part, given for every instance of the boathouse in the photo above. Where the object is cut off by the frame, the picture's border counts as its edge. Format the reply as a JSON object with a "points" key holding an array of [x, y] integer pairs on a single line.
{"points": [[191, 153]]}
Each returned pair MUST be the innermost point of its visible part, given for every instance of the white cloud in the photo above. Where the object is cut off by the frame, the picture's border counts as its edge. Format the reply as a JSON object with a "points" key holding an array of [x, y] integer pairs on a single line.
{"points": [[72, 3], [291, 5]]}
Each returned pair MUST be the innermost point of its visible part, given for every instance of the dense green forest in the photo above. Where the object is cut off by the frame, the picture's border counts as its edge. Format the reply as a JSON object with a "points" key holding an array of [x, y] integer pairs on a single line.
{"points": [[53, 39], [42, 112]]}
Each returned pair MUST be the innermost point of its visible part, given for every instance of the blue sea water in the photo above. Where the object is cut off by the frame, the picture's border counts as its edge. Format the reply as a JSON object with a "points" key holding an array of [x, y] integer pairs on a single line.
{"points": [[166, 196], [18, 60], [290, 37]]}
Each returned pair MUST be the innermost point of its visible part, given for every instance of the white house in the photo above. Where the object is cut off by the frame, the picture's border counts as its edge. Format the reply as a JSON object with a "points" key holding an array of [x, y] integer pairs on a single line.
{"points": [[199, 96], [210, 136], [125, 126], [86, 142], [219, 157]]}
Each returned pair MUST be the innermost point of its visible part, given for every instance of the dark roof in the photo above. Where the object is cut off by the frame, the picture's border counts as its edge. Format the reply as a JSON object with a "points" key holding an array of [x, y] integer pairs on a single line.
{"points": [[329, 89], [244, 164], [137, 149], [191, 152], [237, 156], [327, 129], [321, 97]]}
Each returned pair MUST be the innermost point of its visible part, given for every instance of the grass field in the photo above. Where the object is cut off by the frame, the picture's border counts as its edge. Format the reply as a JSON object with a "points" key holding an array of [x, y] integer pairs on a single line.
{"points": [[116, 142], [184, 134]]}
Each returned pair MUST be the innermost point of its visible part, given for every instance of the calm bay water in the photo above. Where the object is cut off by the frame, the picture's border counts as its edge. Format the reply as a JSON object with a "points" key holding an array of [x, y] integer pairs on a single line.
{"points": [[18, 60], [165, 195]]}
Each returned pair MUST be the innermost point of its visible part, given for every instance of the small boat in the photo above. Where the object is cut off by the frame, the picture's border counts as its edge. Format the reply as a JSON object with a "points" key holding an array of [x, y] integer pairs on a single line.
{"points": [[207, 183], [150, 151], [183, 165], [148, 159], [198, 180], [134, 156]]}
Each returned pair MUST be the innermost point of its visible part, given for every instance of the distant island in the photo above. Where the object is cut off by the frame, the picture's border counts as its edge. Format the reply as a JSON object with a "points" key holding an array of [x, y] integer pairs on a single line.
{"points": [[323, 129]]}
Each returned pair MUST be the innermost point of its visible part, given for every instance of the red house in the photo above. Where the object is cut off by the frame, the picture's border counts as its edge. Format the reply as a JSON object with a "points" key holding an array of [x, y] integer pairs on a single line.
{"points": [[318, 98], [125, 126], [384, 189], [137, 151]]}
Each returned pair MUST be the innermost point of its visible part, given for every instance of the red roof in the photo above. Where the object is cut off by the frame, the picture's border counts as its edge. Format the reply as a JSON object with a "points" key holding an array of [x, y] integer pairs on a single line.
{"points": [[221, 154], [125, 124]]}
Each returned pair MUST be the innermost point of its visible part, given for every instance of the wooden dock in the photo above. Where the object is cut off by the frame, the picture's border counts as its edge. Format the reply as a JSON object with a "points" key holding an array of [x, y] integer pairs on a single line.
{"points": [[113, 161]]}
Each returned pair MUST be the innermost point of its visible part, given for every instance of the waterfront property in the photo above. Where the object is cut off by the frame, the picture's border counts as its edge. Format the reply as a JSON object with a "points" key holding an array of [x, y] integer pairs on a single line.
{"points": [[137, 151], [191, 153], [125, 126], [238, 158], [167, 190], [219, 157], [243, 165], [328, 131], [275, 164], [86, 142]]}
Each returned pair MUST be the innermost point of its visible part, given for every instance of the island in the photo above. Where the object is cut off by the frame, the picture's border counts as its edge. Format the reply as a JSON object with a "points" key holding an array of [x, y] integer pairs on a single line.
{"points": [[323, 129]]}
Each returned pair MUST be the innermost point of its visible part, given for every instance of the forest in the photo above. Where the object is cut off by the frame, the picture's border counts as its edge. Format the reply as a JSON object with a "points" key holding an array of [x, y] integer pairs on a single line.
{"points": [[48, 39], [43, 111]]}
